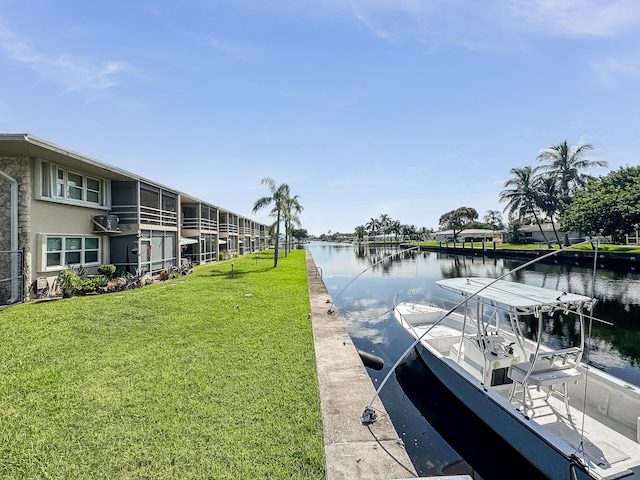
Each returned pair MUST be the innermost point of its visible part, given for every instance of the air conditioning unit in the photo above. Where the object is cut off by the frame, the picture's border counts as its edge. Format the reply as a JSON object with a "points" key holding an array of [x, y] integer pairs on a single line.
{"points": [[105, 223]]}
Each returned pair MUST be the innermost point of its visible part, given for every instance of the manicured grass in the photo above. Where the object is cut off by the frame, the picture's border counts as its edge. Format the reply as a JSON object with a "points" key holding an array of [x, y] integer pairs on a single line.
{"points": [[210, 375]]}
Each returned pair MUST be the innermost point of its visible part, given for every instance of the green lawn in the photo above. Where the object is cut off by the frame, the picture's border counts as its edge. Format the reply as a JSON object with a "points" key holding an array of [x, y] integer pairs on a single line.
{"points": [[210, 375]]}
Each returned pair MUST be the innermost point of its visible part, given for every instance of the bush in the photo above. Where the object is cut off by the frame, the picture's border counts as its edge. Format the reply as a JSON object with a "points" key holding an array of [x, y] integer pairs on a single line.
{"points": [[69, 282], [108, 270]]}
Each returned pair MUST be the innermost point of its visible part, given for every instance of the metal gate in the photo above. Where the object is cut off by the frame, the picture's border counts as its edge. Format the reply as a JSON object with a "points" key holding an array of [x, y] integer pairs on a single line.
{"points": [[11, 277]]}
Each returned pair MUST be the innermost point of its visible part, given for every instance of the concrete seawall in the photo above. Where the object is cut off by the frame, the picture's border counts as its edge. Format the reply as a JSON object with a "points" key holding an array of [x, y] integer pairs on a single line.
{"points": [[352, 451]]}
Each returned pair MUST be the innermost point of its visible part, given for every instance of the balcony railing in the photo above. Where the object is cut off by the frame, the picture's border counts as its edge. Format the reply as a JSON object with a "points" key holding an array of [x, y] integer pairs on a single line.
{"points": [[148, 215], [228, 228], [199, 224]]}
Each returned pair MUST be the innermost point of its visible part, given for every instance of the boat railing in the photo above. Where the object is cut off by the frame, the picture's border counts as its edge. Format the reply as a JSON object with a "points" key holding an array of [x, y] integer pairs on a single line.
{"points": [[565, 357], [545, 369]]}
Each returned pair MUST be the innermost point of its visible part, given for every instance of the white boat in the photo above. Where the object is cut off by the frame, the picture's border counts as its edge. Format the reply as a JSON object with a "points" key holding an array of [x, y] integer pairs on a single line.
{"points": [[569, 420]]}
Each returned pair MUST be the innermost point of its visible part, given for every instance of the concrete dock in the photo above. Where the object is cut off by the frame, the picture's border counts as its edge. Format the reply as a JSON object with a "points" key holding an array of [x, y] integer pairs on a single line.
{"points": [[352, 450]]}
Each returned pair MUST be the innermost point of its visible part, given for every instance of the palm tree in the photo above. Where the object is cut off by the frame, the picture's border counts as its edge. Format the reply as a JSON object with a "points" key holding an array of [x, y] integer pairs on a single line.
{"points": [[395, 227], [291, 217], [549, 200], [494, 218], [373, 226], [409, 231], [384, 226], [279, 197], [360, 231], [524, 197], [424, 233], [566, 164]]}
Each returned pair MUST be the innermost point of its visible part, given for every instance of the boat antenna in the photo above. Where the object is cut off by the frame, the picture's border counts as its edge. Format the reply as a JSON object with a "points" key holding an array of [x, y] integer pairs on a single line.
{"points": [[369, 414], [595, 245]]}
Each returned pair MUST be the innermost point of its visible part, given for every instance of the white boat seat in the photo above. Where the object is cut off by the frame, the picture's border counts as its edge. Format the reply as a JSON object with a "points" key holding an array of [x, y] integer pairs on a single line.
{"points": [[544, 374]]}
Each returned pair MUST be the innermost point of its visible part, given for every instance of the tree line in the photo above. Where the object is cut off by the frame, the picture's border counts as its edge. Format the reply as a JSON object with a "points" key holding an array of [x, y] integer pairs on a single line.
{"points": [[558, 190]]}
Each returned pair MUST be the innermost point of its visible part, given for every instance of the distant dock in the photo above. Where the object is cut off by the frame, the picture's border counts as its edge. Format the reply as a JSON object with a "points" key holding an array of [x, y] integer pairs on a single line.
{"points": [[621, 261]]}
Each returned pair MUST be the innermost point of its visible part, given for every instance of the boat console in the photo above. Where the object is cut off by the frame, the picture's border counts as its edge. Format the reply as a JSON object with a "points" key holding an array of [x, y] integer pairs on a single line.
{"points": [[489, 357]]}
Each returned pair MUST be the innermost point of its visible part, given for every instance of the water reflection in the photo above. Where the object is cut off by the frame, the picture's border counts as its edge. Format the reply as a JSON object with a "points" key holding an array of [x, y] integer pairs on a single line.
{"points": [[363, 281]]}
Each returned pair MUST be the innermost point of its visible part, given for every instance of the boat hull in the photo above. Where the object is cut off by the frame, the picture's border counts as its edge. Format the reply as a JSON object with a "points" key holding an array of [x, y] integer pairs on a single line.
{"points": [[550, 455]]}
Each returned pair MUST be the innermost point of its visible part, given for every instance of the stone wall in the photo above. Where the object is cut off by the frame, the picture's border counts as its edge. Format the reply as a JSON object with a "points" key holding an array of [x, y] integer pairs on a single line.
{"points": [[20, 168]]}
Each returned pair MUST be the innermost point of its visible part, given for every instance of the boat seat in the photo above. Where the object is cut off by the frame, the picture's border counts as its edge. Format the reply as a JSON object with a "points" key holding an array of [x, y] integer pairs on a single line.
{"points": [[545, 373]]}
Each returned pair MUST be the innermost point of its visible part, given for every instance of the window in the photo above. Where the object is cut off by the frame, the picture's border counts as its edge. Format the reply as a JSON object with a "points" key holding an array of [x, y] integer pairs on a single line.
{"points": [[94, 188], [62, 251], [54, 252], [91, 250], [75, 188], [61, 184]]}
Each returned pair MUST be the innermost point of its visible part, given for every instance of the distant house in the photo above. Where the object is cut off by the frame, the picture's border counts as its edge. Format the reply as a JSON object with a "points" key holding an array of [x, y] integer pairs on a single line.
{"points": [[61, 208], [531, 234], [469, 235]]}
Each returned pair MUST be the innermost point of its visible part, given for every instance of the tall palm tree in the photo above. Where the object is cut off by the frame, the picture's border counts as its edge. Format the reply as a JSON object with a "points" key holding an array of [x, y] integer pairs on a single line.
{"points": [[373, 226], [360, 231], [494, 218], [395, 227], [291, 217], [524, 197], [424, 233], [567, 164], [278, 198], [548, 199], [385, 221]]}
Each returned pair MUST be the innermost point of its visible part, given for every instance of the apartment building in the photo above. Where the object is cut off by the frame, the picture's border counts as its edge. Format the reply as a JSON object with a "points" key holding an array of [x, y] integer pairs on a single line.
{"points": [[61, 208]]}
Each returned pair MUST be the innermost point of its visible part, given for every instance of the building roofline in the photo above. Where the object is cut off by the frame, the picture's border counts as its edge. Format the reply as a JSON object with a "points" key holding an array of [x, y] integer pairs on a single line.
{"points": [[39, 143]]}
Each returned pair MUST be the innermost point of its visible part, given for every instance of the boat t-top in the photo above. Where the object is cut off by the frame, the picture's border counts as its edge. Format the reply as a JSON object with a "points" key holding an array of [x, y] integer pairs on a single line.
{"points": [[568, 419]]}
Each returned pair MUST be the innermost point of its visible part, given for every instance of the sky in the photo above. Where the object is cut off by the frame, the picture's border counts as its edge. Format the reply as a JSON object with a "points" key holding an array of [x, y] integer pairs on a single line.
{"points": [[409, 108]]}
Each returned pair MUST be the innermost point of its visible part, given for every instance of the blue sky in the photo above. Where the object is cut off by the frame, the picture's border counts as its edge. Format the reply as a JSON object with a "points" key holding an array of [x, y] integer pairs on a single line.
{"points": [[404, 107]]}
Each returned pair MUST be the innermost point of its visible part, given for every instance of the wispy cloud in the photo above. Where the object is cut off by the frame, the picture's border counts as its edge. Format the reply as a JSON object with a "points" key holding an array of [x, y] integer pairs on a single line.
{"points": [[470, 23], [230, 49], [601, 18], [71, 72], [615, 67]]}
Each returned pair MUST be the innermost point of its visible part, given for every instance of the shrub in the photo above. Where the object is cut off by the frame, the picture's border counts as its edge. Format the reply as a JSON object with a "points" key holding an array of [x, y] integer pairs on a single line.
{"points": [[69, 282], [108, 270]]}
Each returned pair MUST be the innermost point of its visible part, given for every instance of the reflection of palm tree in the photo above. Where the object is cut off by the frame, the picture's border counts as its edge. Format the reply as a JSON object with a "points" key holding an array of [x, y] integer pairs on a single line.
{"points": [[524, 197]]}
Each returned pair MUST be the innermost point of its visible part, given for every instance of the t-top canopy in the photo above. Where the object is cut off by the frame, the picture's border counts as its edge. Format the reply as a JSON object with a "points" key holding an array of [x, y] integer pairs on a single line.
{"points": [[518, 296]]}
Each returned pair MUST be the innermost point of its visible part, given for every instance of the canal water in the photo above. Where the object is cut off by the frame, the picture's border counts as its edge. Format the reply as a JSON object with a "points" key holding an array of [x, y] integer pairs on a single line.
{"points": [[440, 437]]}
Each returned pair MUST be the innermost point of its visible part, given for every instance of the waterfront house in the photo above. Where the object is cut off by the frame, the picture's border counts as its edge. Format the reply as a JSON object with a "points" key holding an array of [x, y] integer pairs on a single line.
{"points": [[61, 208], [469, 235], [531, 234]]}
